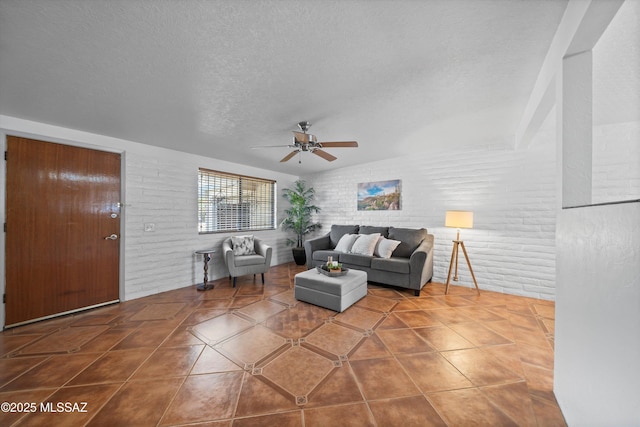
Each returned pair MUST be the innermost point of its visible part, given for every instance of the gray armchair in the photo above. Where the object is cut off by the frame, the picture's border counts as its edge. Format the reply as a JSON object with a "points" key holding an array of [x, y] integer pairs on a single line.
{"points": [[240, 265]]}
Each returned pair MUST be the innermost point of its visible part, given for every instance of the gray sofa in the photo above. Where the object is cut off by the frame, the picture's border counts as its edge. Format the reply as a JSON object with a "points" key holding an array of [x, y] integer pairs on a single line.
{"points": [[410, 265]]}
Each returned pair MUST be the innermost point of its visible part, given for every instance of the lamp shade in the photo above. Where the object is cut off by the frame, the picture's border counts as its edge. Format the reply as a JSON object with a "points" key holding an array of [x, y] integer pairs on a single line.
{"points": [[459, 219]]}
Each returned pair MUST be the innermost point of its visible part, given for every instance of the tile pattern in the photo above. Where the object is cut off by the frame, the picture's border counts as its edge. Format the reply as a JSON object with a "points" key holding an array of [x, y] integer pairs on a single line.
{"points": [[64, 340], [253, 355], [158, 311]]}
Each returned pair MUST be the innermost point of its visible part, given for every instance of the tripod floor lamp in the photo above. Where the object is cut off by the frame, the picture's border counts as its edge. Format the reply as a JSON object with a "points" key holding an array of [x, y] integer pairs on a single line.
{"points": [[459, 219]]}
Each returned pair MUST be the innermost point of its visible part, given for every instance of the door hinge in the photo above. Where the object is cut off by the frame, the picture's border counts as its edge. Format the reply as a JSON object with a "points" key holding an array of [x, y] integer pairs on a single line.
{"points": [[5, 155], [5, 227], [4, 298]]}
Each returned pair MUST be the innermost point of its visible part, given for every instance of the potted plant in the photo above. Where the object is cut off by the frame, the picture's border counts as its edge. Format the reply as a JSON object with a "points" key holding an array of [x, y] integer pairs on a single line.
{"points": [[298, 217], [335, 267]]}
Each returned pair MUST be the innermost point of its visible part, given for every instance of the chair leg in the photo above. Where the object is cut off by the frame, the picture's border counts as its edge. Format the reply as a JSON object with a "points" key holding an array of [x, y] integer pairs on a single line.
{"points": [[262, 278], [234, 282]]}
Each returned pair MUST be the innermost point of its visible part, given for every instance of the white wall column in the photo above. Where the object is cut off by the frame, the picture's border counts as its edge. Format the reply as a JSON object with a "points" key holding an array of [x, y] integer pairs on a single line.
{"points": [[577, 129], [596, 371]]}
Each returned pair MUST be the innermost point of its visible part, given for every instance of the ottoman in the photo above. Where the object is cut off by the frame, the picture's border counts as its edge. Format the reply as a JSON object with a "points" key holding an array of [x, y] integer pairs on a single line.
{"points": [[334, 293]]}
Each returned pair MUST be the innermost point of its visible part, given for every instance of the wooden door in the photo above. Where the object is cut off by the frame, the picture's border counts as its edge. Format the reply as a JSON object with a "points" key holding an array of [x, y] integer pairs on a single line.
{"points": [[62, 202]]}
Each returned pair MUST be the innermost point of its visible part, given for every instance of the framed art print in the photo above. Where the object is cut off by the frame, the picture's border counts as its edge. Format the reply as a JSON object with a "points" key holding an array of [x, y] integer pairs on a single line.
{"points": [[379, 196]]}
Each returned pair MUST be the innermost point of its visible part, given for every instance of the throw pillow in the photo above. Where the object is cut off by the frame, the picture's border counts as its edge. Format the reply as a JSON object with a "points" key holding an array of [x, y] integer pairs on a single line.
{"points": [[366, 244], [243, 245], [346, 242], [410, 240], [385, 247]]}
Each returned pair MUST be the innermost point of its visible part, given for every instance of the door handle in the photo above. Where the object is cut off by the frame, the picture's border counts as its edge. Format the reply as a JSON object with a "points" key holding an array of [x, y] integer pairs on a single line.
{"points": [[112, 237]]}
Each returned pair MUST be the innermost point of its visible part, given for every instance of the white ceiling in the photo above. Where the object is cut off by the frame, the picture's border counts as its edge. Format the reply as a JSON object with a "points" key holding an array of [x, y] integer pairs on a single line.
{"points": [[217, 77]]}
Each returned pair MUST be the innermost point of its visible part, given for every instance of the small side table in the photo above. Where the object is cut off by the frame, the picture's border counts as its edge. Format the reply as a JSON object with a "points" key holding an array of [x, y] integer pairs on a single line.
{"points": [[205, 286]]}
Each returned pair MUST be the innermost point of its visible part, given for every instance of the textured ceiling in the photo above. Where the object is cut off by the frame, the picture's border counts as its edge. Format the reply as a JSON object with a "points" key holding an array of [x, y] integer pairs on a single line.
{"points": [[217, 77]]}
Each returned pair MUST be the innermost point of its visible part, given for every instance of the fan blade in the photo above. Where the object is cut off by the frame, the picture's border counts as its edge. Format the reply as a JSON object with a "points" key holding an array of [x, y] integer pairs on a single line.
{"points": [[272, 146], [339, 144], [289, 156], [324, 155], [304, 137]]}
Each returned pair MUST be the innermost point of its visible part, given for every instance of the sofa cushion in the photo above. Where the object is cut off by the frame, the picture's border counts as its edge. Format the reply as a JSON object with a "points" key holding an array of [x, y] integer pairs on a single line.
{"points": [[324, 255], [243, 245], [370, 229], [395, 265], [337, 231], [410, 238], [356, 259], [245, 260], [346, 242], [365, 244], [385, 247]]}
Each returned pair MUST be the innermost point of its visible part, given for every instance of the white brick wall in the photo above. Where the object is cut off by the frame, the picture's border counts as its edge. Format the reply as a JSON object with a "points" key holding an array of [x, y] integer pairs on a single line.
{"points": [[161, 188], [512, 195]]}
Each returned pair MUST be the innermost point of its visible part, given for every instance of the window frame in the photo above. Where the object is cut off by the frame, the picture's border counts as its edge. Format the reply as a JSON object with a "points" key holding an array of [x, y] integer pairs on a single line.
{"points": [[234, 213]]}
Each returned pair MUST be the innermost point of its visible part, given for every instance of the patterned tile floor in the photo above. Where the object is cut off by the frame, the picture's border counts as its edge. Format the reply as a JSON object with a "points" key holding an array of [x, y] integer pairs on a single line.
{"points": [[253, 355]]}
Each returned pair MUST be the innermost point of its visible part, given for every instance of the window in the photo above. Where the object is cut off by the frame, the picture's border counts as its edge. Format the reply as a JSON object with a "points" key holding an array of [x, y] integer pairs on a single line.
{"points": [[228, 202]]}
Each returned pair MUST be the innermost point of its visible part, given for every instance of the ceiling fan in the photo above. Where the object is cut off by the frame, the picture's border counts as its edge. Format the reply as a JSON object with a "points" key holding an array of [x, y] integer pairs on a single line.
{"points": [[303, 141]]}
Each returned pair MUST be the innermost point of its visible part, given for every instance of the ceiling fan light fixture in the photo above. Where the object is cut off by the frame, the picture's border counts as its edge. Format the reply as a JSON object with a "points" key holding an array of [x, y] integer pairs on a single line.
{"points": [[303, 141], [304, 126]]}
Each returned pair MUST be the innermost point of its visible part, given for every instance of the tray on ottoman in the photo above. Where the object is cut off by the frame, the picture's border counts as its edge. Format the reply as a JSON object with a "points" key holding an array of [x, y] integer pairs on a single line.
{"points": [[330, 273]]}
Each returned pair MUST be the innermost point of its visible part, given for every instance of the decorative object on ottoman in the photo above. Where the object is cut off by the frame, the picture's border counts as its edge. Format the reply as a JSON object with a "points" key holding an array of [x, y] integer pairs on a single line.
{"points": [[298, 217], [323, 269], [335, 293], [333, 266]]}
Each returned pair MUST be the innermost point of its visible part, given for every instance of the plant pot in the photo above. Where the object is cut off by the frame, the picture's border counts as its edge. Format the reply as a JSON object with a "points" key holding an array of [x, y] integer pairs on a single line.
{"points": [[299, 256]]}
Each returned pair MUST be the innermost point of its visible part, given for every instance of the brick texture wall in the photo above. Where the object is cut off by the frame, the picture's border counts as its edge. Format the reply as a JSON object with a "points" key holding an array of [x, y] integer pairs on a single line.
{"points": [[512, 194], [161, 188]]}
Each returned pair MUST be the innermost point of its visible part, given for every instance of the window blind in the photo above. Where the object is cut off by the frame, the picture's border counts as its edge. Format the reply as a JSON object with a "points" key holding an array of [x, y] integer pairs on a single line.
{"points": [[229, 202]]}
